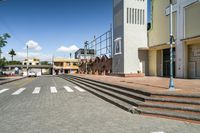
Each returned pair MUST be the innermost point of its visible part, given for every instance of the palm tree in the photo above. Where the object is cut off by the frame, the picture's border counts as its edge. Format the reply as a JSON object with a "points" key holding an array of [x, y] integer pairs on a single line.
{"points": [[3, 41], [12, 53]]}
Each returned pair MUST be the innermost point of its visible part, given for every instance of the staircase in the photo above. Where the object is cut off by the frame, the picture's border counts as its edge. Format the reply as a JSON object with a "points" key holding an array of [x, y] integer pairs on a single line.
{"points": [[134, 100]]}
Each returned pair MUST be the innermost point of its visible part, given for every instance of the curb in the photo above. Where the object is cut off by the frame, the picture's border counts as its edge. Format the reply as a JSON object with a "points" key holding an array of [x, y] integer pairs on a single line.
{"points": [[12, 80]]}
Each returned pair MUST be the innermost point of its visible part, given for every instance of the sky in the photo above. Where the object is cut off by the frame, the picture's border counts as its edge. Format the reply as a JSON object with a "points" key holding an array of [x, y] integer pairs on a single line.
{"points": [[52, 27]]}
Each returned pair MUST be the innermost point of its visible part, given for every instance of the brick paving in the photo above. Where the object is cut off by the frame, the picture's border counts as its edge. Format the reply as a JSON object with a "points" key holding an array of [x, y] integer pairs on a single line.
{"points": [[150, 84]]}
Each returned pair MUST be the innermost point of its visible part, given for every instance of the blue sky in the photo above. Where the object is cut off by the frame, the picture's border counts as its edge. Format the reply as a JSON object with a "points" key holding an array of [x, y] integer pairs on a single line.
{"points": [[50, 24]]}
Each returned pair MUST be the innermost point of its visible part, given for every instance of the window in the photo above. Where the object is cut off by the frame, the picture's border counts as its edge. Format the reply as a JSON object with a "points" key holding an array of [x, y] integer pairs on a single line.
{"points": [[118, 43], [138, 16], [143, 17], [133, 10], [135, 16]]}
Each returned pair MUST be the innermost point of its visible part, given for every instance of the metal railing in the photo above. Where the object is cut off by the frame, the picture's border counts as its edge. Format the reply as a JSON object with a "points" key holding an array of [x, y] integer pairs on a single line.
{"points": [[102, 45]]}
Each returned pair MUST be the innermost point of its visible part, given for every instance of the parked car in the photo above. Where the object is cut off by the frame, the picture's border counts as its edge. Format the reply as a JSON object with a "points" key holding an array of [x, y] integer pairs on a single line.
{"points": [[32, 74]]}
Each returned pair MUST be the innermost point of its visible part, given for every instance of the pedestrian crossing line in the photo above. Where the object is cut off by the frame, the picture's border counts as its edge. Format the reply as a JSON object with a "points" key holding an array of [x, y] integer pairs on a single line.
{"points": [[53, 90], [36, 90], [3, 90], [79, 89], [19, 91], [68, 89]]}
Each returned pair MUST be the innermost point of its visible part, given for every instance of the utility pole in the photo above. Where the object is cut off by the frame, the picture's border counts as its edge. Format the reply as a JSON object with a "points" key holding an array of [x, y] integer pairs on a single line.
{"points": [[171, 82]]}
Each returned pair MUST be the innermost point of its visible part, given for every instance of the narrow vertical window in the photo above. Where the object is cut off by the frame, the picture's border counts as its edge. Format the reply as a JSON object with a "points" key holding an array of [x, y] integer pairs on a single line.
{"points": [[133, 13], [130, 14], [138, 16], [127, 15], [135, 16], [143, 17]]}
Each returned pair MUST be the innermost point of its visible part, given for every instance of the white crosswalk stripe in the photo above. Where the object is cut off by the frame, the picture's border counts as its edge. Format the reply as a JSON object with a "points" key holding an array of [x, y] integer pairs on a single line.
{"points": [[68, 89], [53, 90], [79, 89], [36, 90], [19, 91], [3, 90]]}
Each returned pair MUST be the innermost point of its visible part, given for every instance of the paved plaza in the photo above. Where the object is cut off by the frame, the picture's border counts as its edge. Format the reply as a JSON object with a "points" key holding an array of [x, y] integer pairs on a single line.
{"points": [[53, 105], [150, 83]]}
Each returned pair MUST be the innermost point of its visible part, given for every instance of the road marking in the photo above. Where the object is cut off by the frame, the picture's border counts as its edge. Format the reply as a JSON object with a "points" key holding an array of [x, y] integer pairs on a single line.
{"points": [[36, 90], [158, 132], [68, 89], [53, 90], [19, 91], [79, 89], [3, 90]]}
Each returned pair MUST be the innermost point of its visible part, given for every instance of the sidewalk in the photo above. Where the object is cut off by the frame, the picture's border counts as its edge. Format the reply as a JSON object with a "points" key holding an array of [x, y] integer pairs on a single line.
{"points": [[150, 84], [4, 80]]}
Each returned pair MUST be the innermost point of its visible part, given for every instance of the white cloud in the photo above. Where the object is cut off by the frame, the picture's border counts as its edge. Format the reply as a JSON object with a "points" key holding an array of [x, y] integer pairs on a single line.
{"points": [[33, 45], [70, 49]]}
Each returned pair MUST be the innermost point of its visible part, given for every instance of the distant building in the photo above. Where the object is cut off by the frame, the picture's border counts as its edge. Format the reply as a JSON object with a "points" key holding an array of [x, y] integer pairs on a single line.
{"points": [[65, 66], [31, 62], [80, 54]]}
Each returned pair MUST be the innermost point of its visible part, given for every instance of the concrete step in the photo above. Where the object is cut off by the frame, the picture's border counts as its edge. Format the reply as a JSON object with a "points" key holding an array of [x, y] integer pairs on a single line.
{"points": [[118, 90], [118, 96], [135, 90], [173, 100], [162, 98], [169, 114], [121, 104], [172, 106], [172, 95]]}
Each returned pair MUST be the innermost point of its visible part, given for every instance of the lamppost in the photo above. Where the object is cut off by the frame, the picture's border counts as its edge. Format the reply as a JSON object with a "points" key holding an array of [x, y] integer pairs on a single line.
{"points": [[85, 53], [171, 82], [27, 63]]}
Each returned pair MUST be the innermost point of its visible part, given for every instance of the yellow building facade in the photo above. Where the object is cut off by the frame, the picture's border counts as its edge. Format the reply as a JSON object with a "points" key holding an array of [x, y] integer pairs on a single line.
{"points": [[186, 30], [65, 66]]}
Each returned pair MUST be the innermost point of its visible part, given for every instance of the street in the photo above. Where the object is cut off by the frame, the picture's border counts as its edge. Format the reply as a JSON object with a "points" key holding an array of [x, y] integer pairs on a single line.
{"points": [[50, 104]]}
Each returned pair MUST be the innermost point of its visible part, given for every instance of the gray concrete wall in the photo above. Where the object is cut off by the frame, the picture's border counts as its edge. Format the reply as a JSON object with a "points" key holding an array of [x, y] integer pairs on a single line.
{"points": [[118, 60]]}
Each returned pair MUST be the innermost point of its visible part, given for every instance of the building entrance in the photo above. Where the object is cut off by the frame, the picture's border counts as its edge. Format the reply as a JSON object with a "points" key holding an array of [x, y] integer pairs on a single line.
{"points": [[166, 62]]}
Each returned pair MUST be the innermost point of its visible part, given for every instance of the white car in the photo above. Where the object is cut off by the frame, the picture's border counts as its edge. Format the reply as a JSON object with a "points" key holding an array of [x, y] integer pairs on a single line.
{"points": [[32, 74]]}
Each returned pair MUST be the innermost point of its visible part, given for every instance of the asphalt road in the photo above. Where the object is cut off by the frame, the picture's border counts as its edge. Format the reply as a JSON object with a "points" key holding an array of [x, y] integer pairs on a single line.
{"points": [[54, 105]]}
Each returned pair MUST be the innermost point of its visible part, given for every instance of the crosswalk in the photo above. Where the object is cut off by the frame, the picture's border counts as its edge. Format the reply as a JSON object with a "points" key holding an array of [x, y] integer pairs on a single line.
{"points": [[37, 90]]}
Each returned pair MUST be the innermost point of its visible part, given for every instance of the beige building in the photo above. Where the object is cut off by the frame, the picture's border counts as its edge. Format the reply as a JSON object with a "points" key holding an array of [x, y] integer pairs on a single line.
{"points": [[186, 30], [65, 66], [31, 62]]}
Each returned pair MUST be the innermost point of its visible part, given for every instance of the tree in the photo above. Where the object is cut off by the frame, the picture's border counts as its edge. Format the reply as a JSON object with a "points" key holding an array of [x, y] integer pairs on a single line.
{"points": [[2, 62], [3, 41], [45, 63], [12, 53]]}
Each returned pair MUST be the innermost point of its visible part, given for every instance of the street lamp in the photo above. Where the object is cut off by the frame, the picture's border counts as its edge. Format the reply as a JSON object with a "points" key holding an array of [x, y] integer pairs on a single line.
{"points": [[171, 82]]}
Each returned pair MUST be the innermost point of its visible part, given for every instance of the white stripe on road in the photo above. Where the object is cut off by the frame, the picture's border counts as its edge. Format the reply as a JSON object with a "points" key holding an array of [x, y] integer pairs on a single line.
{"points": [[68, 89], [19, 91], [79, 89], [2, 91], [53, 90], [36, 90], [157, 132]]}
